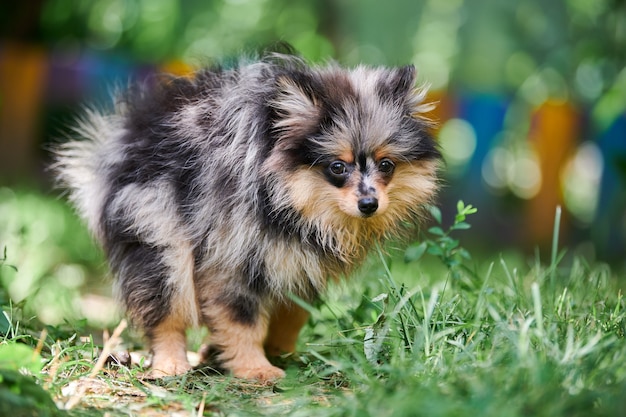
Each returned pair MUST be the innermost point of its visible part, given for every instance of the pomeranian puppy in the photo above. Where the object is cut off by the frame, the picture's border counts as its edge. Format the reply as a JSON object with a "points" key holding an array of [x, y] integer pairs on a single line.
{"points": [[216, 196]]}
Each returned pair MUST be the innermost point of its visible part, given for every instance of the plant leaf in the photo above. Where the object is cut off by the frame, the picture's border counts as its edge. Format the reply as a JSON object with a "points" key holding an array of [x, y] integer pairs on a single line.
{"points": [[18, 356], [461, 226], [415, 252], [436, 230], [436, 213], [5, 324], [460, 205]]}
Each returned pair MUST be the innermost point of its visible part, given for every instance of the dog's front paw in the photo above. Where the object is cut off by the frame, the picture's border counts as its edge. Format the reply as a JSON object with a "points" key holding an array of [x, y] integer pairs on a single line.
{"points": [[266, 374], [169, 367]]}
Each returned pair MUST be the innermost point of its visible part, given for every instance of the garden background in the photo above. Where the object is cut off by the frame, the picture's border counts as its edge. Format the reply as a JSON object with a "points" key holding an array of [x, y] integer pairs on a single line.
{"points": [[532, 95], [531, 115]]}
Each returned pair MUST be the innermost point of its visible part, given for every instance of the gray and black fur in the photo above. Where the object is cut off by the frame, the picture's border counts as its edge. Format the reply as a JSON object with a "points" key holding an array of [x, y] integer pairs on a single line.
{"points": [[216, 195]]}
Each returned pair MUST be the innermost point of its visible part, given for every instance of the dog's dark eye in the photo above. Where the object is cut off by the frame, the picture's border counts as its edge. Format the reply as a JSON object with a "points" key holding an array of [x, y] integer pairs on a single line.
{"points": [[386, 166], [338, 168], [338, 172]]}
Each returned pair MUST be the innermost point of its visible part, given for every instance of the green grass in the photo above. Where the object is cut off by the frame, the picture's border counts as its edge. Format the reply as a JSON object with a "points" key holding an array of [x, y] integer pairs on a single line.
{"points": [[430, 333]]}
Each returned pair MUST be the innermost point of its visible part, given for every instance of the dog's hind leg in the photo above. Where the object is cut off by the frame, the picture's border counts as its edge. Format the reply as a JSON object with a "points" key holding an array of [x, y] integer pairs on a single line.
{"points": [[154, 292], [149, 288], [168, 344], [154, 265], [168, 340], [285, 324]]}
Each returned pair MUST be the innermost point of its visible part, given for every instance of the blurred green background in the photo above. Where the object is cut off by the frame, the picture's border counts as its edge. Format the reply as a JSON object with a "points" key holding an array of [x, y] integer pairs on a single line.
{"points": [[532, 105]]}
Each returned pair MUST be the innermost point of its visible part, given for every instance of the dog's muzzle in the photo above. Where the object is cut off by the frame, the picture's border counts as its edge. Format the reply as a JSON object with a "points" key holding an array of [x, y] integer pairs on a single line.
{"points": [[368, 205]]}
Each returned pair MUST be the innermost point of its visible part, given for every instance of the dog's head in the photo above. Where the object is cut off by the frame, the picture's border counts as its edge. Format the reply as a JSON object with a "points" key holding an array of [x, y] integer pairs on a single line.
{"points": [[352, 147]]}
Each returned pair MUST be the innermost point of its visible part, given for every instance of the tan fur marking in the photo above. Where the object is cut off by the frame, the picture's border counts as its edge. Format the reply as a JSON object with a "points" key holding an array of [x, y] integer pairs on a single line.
{"points": [[348, 201], [306, 186], [335, 212], [286, 322], [414, 182], [242, 346], [169, 349], [347, 156], [384, 151]]}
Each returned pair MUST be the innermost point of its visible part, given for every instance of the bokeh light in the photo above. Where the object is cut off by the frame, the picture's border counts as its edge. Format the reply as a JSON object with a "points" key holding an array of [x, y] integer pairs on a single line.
{"points": [[458, 143], [513, 170], [435, 42], [581, 182]]}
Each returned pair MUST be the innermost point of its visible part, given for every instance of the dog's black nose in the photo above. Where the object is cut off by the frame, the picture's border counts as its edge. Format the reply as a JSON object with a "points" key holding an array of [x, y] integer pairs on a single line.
{"points": [[368, 205]]}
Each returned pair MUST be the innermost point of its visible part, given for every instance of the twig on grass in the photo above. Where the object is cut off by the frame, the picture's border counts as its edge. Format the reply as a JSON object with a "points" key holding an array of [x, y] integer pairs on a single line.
{"points": [[201, 406], [106, 351]]}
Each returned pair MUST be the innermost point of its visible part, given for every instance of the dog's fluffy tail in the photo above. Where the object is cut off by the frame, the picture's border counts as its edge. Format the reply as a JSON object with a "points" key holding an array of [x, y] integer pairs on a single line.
{"points": [[81, 164]]}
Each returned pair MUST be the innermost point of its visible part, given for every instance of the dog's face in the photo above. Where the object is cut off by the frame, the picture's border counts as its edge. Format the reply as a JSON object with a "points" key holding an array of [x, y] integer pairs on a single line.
{"points": [[361, 183], [353, 146]]}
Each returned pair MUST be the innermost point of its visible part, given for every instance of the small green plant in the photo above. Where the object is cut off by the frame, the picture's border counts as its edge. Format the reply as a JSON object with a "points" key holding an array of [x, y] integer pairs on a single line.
{"points": [[408, 311], [442, 244]]}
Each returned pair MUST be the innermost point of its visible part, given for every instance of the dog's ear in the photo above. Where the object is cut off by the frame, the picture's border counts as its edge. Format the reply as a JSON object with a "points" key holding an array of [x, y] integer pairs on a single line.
{"points": [[403, 81], [399, 88], [396, 84], [296, 105]]}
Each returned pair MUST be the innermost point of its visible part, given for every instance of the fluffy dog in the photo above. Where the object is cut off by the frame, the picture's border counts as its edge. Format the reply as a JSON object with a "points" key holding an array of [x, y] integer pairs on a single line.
{"points": [[216, 196]]}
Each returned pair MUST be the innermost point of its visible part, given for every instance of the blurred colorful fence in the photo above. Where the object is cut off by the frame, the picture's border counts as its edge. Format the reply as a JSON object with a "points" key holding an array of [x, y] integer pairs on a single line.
{"points": [[516, 176]]}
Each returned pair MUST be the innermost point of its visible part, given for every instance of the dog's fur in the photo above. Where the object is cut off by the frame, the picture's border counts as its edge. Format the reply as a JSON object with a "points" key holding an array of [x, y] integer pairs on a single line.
{"points": [[217, 195]]}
